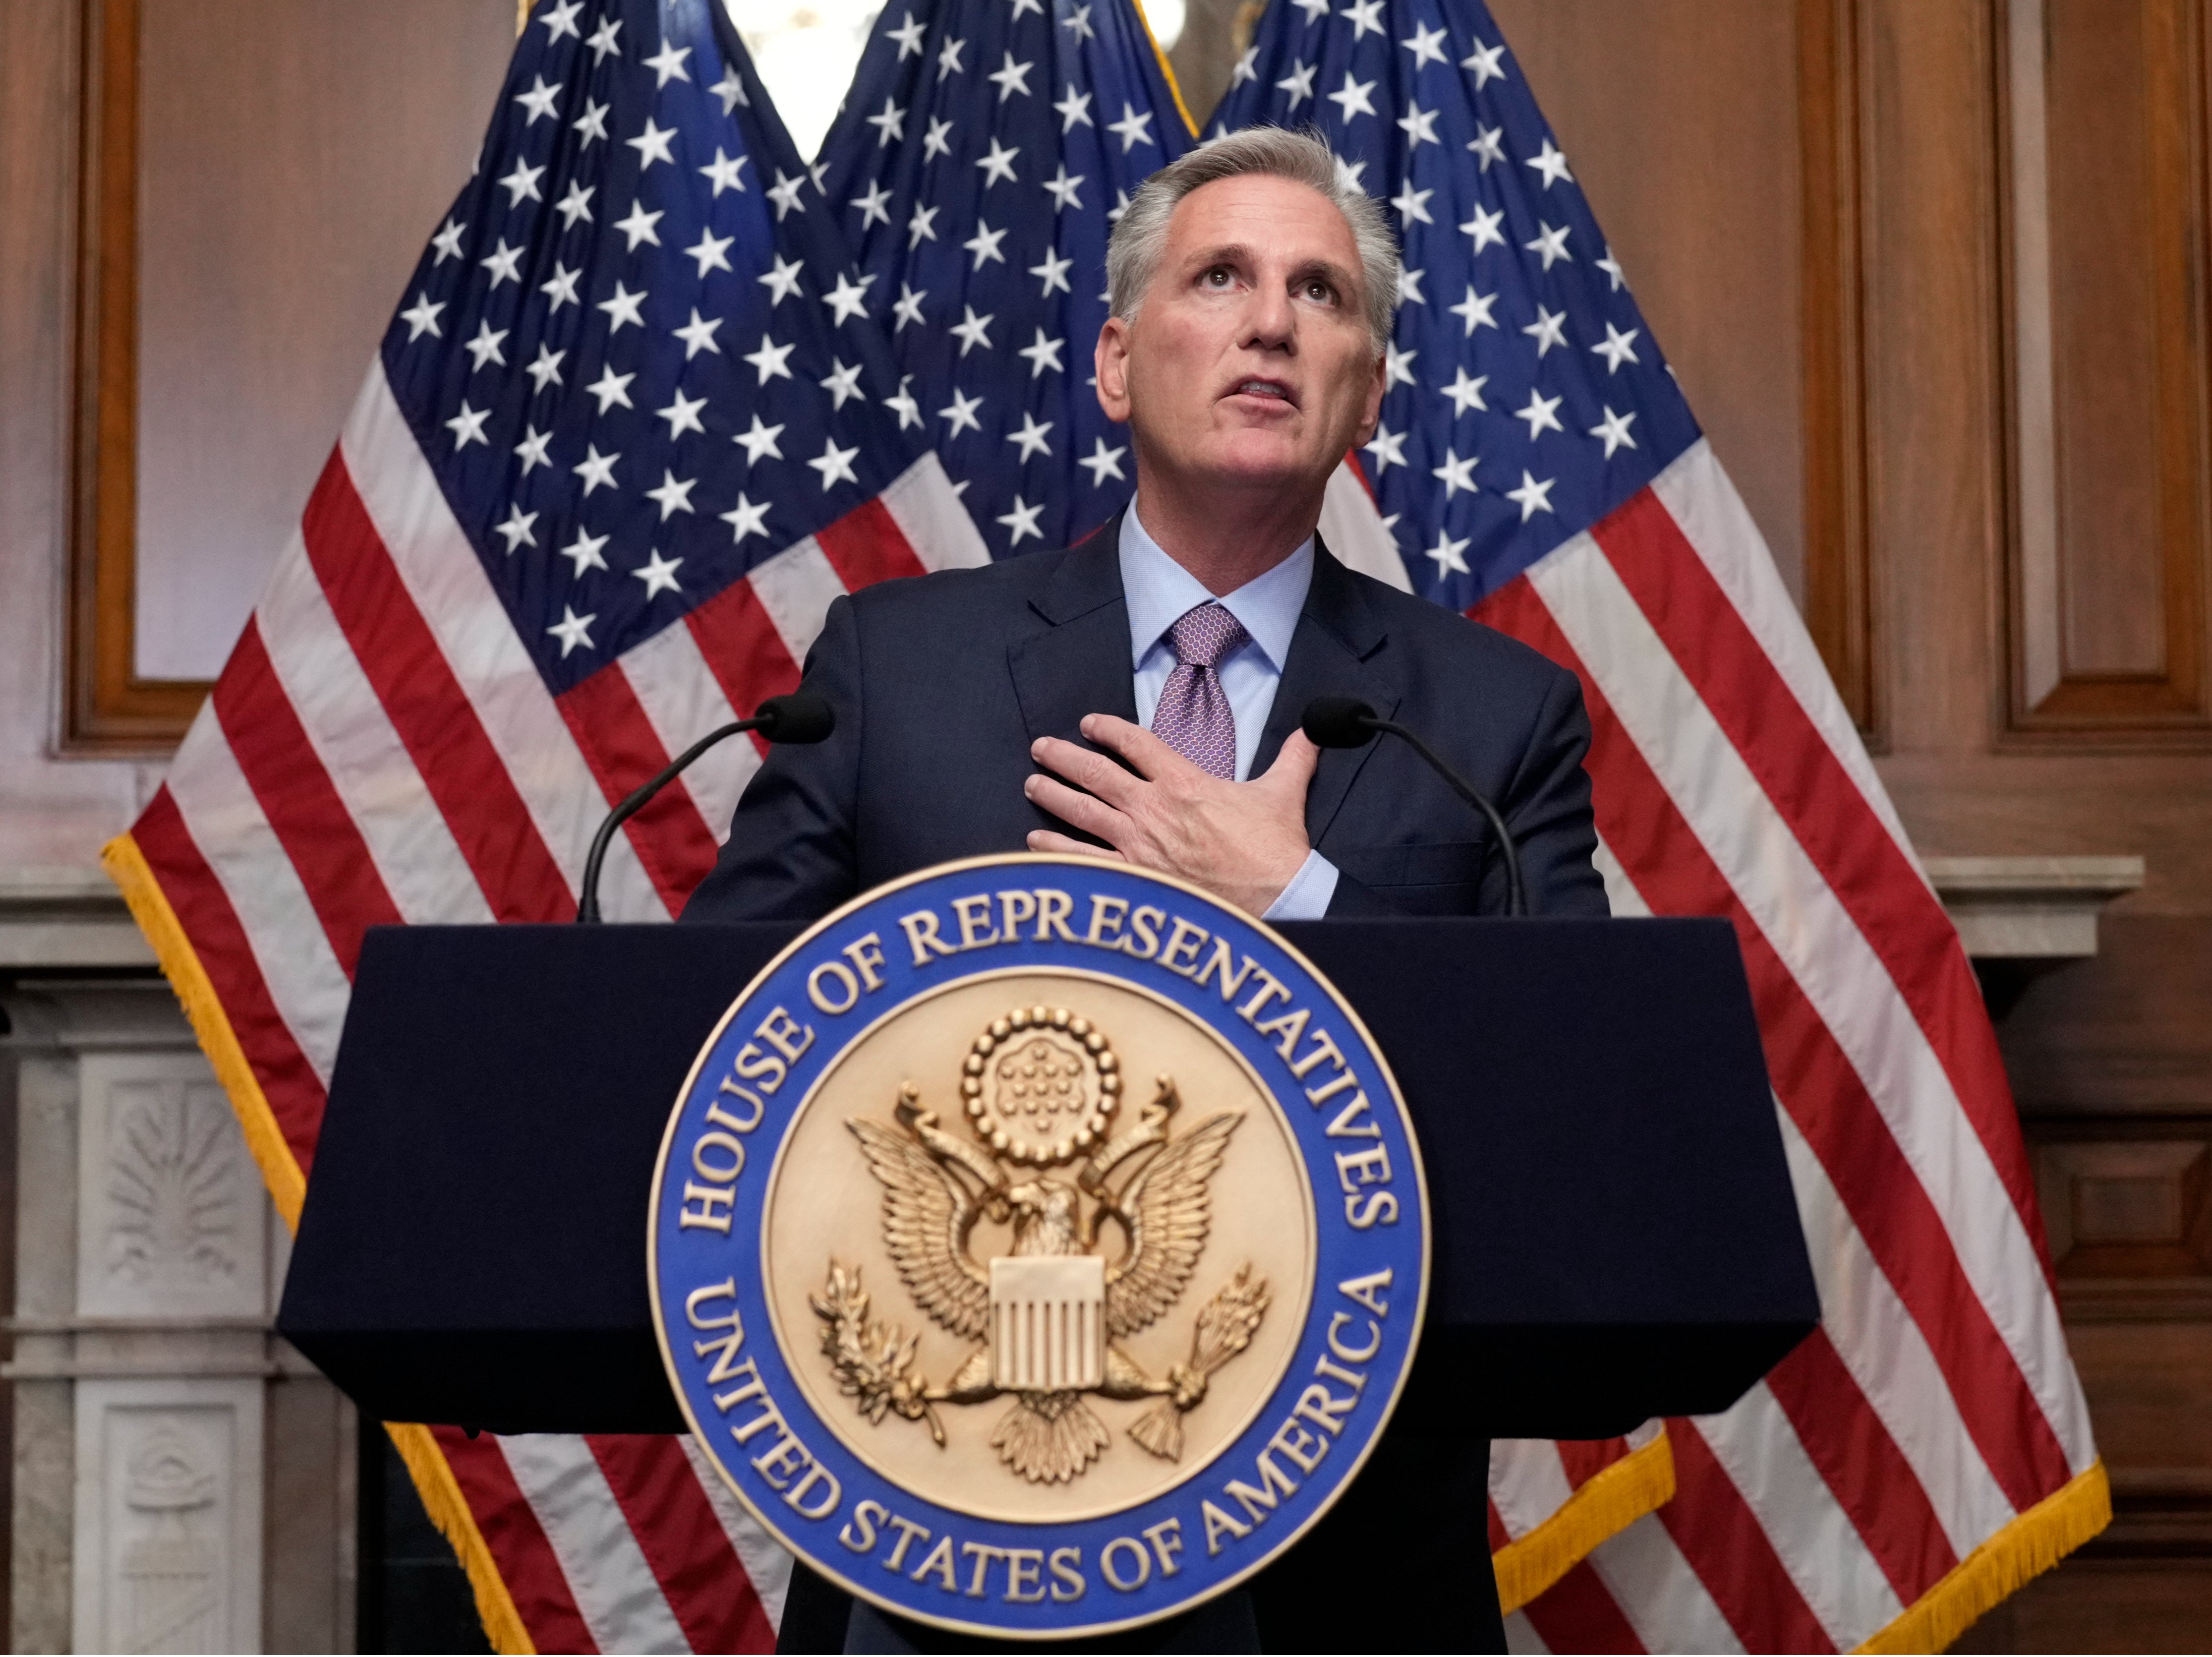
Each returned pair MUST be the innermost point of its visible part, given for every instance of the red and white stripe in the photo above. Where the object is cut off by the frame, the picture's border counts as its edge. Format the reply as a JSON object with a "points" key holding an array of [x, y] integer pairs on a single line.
{"points": [[380, 749], [1937, 1402]]}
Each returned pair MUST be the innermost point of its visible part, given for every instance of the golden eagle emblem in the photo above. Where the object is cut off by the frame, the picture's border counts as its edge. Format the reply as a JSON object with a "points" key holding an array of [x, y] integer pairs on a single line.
{"points": [[1106, 1232]]}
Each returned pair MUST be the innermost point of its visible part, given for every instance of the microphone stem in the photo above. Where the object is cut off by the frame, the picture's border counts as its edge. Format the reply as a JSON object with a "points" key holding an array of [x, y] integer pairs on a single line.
{"points": [[1515, 900], [587, 904]]}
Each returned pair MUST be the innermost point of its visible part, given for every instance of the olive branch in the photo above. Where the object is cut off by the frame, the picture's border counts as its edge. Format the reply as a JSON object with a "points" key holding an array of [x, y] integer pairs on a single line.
{"points": [[873, 1359]]}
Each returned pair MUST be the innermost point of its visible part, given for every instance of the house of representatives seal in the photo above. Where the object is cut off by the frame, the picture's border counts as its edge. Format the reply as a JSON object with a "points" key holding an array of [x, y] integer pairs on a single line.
{"points": [[1038, 1246]]}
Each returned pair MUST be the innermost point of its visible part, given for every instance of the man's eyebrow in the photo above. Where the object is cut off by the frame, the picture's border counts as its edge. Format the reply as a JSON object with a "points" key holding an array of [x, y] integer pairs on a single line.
{"points": [[1235, 253]]}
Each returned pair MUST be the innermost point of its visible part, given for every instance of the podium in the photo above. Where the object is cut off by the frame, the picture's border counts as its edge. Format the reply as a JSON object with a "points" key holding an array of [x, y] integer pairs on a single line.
{"points": [[1615, 1235]]}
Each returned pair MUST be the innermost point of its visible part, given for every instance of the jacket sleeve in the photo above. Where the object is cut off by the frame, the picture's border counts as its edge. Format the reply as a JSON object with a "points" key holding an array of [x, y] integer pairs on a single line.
{"points": [[1547, 807], [790, 854]]}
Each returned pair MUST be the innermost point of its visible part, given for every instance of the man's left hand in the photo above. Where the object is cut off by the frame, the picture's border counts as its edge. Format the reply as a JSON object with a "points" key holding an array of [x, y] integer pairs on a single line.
{"points": [[1242, 841]]}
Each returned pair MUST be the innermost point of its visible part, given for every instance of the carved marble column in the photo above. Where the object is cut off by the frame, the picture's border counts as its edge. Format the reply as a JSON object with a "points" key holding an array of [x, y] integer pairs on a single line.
{"points": [[182, 1480], [167, 1549]]}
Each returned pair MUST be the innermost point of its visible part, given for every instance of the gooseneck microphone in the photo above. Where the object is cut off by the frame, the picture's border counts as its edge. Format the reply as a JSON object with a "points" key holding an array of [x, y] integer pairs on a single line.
{"points": [[1347, 722], [798, 718]]}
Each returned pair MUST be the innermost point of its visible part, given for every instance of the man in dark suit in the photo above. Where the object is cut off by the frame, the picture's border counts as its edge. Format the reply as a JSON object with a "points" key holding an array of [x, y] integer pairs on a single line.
{"points": [[1138, 695]]}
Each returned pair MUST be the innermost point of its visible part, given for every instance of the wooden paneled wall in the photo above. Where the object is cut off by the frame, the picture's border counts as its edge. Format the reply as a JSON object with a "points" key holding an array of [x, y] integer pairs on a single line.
{"points": [[253, 181], [2109, 552]]}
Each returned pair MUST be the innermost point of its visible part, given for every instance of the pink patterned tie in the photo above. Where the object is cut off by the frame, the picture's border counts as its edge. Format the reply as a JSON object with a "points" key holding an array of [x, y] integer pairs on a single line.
{"points": [[1194, 717]]}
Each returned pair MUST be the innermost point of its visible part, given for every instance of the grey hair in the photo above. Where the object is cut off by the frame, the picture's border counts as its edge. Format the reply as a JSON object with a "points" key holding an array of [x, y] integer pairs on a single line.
{"points": [[1133, 252]]}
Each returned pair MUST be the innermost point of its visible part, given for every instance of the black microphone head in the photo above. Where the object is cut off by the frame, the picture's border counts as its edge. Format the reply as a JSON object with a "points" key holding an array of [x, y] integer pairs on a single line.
{"points": [[801, 717], [1338, 722]]}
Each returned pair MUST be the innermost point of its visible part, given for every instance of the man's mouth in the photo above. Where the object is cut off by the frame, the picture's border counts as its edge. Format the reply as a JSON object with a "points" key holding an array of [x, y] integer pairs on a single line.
{"points": [[1268, 388]]}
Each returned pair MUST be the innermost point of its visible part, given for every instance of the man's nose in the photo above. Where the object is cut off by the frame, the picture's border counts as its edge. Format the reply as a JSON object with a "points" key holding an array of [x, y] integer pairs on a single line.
{"points": [[1271, 321]]}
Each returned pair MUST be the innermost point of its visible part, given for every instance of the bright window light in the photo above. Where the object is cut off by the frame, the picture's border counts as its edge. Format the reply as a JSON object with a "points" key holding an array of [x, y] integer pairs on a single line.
{"points": [[1166, 17], [806, 50]]}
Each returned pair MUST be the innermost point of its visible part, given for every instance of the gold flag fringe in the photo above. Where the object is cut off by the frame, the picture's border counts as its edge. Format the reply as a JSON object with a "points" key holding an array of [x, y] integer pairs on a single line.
{"points": [[1609, 1503], [449, 1511], [2031, 1544], [127, 867]]}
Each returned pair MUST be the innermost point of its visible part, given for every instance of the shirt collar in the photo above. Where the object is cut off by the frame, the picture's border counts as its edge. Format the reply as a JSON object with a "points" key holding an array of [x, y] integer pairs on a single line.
{"points": [[1159, 590]]}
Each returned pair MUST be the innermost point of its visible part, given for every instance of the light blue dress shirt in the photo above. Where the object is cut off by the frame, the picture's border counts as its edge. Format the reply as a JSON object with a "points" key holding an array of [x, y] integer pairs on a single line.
{"points": [[1160, 590]]}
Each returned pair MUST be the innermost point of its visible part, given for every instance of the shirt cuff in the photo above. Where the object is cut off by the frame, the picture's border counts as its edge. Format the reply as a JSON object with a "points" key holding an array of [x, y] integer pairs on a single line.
{"points": [[1306, 898]]}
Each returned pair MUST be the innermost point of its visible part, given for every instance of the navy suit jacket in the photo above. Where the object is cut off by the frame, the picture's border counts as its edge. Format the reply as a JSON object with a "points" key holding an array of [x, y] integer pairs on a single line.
{"points": [[941, 683]]}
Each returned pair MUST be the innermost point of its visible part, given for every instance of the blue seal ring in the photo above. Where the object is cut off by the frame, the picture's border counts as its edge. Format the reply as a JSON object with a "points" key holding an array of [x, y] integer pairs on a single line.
{"points": [[1216, 1522]]}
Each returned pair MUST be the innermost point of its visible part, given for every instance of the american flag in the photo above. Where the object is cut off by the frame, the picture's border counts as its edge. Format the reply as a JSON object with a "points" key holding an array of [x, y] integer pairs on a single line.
{"points": [[632, 429], [1928, 1448], [981, 156]]}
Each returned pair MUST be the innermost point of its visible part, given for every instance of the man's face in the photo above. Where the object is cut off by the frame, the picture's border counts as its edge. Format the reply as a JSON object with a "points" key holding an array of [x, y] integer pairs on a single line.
{"points": [[1248, 363]]}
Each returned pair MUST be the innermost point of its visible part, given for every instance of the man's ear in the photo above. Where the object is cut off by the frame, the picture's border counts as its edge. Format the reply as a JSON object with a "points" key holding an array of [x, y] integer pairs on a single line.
{"points": [[1112, 361], [1377, 383]]}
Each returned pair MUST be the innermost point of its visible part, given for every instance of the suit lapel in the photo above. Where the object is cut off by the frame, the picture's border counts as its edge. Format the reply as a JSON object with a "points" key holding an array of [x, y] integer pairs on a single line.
{"points": [[1337, 651], [1076, 660]]}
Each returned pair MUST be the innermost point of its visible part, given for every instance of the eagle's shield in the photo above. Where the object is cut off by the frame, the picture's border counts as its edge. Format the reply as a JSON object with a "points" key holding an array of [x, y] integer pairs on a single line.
{"points": [[1047, 1323]]}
